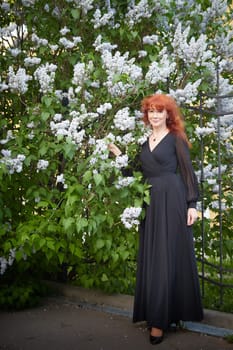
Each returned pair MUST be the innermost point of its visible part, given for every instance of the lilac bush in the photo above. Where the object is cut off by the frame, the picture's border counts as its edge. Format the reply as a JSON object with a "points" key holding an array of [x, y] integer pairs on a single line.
{"points": [[71, 80]]}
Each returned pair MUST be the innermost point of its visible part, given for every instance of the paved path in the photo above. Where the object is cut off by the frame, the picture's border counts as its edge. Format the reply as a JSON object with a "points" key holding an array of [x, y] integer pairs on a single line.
{"points": [[62, 325]]}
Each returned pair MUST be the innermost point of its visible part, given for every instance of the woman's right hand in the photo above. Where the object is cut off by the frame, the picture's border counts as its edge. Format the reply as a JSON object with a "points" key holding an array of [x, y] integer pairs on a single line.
{"points": [[114, 149]]}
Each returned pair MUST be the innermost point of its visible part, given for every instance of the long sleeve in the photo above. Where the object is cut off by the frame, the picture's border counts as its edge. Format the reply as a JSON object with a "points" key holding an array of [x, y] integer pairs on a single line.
{"points": [[187, 173]]}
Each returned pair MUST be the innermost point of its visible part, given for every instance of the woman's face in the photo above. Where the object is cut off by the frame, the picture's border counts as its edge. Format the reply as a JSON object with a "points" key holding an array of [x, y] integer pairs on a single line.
{"points": [[157, 119]]}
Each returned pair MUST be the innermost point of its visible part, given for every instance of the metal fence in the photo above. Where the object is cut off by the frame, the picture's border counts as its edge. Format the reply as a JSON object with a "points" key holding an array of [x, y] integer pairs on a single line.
{"points": [[219, 268]]}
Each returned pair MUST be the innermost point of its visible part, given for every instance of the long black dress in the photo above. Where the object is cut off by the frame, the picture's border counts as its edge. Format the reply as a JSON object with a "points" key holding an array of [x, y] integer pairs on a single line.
{"points": [[167, 286]]}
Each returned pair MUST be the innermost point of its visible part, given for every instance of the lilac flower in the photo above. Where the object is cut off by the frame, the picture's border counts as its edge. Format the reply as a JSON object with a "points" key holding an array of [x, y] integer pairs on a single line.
{"points": [[129, 217], [42, 164], [123, 121], [45, 74], [18, 81], [124, 181]]}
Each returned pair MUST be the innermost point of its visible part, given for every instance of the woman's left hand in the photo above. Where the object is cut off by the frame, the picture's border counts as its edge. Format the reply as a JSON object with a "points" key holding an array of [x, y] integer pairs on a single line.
{"points": [[191, 216]]}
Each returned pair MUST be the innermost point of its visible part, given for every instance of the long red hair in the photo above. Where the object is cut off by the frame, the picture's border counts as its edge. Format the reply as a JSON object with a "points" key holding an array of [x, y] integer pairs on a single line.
{"points": [[160, 102]]}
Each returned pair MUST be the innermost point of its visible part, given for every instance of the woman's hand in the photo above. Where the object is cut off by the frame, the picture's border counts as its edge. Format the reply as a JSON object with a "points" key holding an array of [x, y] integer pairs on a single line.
{"points": [[114, 149], [191, 216]]}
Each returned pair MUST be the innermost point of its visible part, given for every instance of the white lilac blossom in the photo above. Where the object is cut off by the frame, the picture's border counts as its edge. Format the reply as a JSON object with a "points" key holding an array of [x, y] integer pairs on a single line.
{"points": [[88, 96], [209, 103], [101, 149], [120, 161], [15, 51], [110, 138], [64, 30], [28, 3], [68, 44], [53, 47], [101, 47], [4, 263], [13, 165], [210, 173], [124, 181], [6, 153], [217, 9], [226, 64], [57, 117], [60, 179], [102, 109], [5, 6], [203, 131], [9, 136], [130, 216], [123, 121], [31, 135], [145, 133], [95, 84], [223, 43], [216, 205], [31, 61], [60, 128], [84, 5], [39, 41], [69, 128], [142, 53], [150, 39], [56, 12], [100, 20], [139, 11], [194, 52], [211, 181], [117, 65], [117, 89], [186, 95], [161, 70], [18, 81], [7, 31], [81, 73], [127, 139], [68, 95], [45, 74], [46, 7], [42, 164]]}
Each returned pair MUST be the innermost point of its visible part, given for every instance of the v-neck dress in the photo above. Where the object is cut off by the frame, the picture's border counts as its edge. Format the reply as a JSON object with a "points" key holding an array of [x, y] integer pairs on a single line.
{"points": [[167, 285]]}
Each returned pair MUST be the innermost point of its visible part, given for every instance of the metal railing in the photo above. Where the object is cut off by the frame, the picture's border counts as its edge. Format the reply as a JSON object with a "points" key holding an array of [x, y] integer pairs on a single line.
{"points": [[219, 268]]}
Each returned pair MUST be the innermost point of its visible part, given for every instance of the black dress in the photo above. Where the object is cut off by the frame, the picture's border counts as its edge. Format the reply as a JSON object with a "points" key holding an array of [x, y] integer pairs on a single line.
{"points": [[167, 286]]}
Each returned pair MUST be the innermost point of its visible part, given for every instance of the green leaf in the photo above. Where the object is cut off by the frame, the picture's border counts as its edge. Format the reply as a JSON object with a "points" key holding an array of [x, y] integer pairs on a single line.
{"points": [[104, 277], [45, 116], [75, 13], [98, 178], [69, 149], [47, 101], [68, 223], [50, 244], [42, 204], [87, 176], [72, 248], [60, 257], [99, 243], [42, 242], [81, 223]]}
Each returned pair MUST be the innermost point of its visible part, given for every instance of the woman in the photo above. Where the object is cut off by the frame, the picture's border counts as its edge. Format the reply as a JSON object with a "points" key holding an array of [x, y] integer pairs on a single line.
{"points": [[167, 286]]}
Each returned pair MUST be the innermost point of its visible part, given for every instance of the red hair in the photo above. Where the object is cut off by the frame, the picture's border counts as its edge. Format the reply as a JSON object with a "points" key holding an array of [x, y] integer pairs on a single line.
{"points": [[162, 102]]}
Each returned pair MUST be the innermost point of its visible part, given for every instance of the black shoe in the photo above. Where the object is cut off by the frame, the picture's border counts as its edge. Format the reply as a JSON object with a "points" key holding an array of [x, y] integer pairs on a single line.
{"points": [[156, 340]]}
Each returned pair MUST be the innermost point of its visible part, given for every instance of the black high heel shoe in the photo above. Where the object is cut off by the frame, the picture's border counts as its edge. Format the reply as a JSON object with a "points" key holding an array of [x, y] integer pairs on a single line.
{"points": [[156, 340]]}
